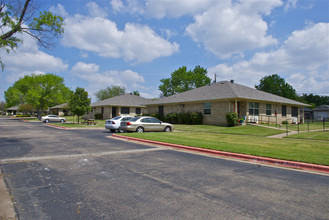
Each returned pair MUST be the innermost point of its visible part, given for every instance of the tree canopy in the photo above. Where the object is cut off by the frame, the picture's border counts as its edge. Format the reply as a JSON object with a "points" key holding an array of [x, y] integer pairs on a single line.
{"points": [[109, 92], [276, 85], [315, 100], [182, 80], [79, 103], [40, 91], [18, 17]]}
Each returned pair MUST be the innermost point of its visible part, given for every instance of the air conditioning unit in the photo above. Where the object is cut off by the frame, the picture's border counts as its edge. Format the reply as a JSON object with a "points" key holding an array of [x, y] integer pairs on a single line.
{"points": [[294, 120]]}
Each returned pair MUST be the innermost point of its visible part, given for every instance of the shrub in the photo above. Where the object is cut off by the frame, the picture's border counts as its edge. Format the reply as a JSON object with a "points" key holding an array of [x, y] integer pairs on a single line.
{"points": [[98, 116], [232, 119]]}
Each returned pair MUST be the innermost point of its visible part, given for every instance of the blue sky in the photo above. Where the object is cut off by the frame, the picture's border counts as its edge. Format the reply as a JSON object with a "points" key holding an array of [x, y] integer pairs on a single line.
{"points": [[135, 43]]}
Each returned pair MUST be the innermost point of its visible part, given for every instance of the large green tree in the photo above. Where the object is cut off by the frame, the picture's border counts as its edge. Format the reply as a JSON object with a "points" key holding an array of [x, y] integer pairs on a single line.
{"points": [[40, 91], [278, 86], [182, 80], [79, 103], [315, 100], [109, 92], [18, 16]]}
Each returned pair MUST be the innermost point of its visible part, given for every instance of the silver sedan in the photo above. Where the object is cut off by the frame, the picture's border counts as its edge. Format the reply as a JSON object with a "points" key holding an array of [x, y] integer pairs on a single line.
{"points": [[145, 123], [52, 118]]}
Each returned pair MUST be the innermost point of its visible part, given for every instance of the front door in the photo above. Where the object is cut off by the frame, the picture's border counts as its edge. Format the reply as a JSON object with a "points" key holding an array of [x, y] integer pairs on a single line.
{"points": [[114, 112]]}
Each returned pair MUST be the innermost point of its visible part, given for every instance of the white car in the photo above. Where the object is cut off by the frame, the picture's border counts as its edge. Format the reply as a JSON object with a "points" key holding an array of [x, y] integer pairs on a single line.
{"points": [[52, 118], [114, 123]]}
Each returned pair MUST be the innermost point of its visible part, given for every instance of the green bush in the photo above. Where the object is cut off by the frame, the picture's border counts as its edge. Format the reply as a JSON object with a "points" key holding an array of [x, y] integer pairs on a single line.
{"points": [[98, 116], [24, 116], [232, 119]]}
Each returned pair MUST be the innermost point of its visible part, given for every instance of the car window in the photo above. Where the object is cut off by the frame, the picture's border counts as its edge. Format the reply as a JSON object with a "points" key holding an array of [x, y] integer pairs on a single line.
{"points": [[116, 118], [154, 120], [146, 120], [126, 118], [134, 119]]}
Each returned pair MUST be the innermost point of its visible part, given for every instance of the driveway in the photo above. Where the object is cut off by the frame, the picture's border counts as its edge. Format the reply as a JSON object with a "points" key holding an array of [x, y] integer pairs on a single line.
{"points": [[84, 174]]}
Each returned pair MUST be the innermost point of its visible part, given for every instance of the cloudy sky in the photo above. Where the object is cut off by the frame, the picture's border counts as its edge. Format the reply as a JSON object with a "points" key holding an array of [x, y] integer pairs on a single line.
{"points": [[135, 43]]}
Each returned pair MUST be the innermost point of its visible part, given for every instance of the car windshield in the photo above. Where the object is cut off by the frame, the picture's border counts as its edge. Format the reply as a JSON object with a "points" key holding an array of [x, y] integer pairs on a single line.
{"points": [[116, 118]]}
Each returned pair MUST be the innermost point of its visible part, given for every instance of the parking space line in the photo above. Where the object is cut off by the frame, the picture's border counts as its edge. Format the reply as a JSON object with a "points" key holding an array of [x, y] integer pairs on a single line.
{"points": [[30, 159]]}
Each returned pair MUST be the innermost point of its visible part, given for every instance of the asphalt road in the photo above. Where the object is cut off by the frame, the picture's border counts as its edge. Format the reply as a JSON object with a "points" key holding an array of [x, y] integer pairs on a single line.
{"points": [[84, 174]]}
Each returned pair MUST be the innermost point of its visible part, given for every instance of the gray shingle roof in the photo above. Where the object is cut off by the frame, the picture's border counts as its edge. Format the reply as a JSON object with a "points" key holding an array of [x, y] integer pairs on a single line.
{"points": [[128, 100], [322, 108], [222, 91]]}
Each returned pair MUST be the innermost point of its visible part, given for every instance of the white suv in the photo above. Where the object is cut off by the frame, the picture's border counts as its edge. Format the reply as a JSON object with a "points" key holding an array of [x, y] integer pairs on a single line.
{"points": [[114, 123]]}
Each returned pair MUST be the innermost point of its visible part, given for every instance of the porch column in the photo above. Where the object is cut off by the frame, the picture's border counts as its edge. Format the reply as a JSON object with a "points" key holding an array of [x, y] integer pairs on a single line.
{"points": [[236, 106]]}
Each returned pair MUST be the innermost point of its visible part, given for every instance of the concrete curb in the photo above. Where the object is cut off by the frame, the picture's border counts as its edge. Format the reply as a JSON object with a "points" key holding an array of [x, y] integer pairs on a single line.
{"points": [[57, 126], [265, 160]]}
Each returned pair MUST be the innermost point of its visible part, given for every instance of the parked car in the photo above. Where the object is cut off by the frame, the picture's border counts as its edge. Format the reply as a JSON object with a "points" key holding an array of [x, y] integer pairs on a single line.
{"points": [[114, 123], [52, 118], [145, 123]]}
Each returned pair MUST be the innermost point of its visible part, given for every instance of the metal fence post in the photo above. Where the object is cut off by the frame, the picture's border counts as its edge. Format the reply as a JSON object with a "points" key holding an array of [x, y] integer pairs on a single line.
{"points": [[324, 122], [287, 127]]}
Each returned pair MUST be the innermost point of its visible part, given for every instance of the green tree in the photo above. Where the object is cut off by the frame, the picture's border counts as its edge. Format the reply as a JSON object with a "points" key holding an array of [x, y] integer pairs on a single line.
{"points": [[26, 109], [18, 17], [182, 80], [40, 91], [79, 103], [109, 92], [276, 85], [136, 93], [2, 106], [315, 100]]}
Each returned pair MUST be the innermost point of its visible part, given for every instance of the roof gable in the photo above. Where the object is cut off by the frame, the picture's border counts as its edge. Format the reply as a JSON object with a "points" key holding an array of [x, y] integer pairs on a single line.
{"points": [[128, 100]]}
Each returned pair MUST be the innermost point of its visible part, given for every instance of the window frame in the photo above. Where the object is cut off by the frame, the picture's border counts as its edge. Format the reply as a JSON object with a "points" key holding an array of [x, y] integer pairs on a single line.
{"points": [[253, 108], [125, 110], [268, 109], [207, 108], [284, 110]]}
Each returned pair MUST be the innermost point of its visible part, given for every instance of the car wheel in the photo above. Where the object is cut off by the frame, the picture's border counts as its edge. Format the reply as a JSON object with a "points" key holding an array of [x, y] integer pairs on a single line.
{"points": [[112, 130], [140, 129], [47, 120], [167, 129], [62, 121]]}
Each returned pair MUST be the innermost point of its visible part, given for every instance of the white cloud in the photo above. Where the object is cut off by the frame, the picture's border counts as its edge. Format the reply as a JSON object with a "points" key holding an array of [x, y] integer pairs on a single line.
{"points": [[95, 11], [176, 9], [136, 43], [97, 79], [117, 5], [302, 60], [59, 10], [290, 4], [227, 29], [28, 59], [128, 6]]}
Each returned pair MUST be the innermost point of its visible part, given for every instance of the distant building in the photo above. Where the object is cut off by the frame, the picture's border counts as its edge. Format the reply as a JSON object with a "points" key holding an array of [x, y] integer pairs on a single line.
{"points": [[321, 112]]}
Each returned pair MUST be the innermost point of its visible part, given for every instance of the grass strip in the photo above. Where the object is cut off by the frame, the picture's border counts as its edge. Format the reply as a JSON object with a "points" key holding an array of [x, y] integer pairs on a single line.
{"points": [[314, 135], [243, 130], [307, 151]]}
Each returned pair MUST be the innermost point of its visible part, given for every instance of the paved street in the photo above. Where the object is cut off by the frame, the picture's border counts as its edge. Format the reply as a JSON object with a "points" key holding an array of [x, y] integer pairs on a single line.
{"points": [[85, 174]]}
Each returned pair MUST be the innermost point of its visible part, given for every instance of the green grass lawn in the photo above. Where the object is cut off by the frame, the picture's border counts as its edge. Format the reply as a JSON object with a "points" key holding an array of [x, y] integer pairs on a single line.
{"points": [[243, 130], [302, 127], [308, 151], [314, 135]]}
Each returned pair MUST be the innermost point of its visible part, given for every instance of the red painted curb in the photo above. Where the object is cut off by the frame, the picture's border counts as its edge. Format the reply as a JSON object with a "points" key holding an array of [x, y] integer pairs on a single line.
{"points": [[278, 162], [57, 126]]}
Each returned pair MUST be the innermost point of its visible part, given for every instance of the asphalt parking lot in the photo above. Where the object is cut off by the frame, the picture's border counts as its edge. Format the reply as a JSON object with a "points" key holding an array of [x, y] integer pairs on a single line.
{"points": [[85, 174]]}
